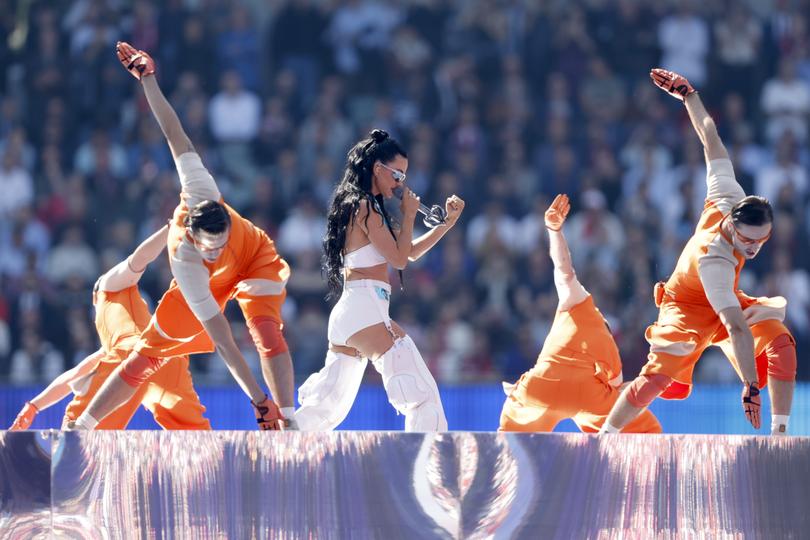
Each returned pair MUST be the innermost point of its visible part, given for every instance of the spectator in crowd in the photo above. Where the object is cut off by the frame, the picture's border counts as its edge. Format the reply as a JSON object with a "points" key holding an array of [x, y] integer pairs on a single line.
{"points": [[234, 112], [784, 174], [786, 102], [303, 229], [739, 42], [238, 47], [596, 234], [16, 183], [35, 359], [72, 256], [294, 45], [684, 40]]}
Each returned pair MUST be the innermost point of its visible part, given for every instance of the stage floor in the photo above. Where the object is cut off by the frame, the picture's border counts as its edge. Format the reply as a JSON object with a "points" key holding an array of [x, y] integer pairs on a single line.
{"points": [[244, 484]]}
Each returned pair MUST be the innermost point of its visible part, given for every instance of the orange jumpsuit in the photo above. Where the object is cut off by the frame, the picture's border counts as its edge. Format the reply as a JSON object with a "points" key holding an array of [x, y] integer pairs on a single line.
{"points": [[168, 394], [765, 328], [687, 321], [572, 378], [249, 270]]}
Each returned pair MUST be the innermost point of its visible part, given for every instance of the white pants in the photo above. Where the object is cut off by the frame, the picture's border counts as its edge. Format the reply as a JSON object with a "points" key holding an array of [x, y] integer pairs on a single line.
{"points": [[328, 395]]}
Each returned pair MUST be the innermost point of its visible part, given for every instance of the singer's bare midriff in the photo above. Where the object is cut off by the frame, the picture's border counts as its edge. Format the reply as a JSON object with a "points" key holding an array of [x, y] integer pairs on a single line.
{"points": [[379, 272]]}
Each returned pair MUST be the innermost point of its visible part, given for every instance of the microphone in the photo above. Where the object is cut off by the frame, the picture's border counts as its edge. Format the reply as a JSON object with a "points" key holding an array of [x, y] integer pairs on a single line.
{"points": [[434, 216]]}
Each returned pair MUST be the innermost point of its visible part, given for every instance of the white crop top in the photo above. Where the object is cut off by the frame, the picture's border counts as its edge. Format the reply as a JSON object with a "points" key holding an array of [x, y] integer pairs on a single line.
{"points": [[363, 257]]}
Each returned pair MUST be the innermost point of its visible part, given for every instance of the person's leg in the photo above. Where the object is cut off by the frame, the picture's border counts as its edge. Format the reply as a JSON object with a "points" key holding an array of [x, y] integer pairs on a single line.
{"points": [[276, 362], [172, 399], [596, 398], [119, 418], [593, 417], [410, 386], [645, 422], [781, 358], [536, 403], [261, 294], [327, 396], [635, 398], [120, 386], [677, 340], [517, 416]]}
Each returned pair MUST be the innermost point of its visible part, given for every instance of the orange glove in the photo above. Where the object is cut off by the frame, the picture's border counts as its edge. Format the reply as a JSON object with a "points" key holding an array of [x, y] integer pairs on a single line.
{"points": [[139, 63], [25, 418], [268, 415], [752, 403], [557, 212], [671, 83]]}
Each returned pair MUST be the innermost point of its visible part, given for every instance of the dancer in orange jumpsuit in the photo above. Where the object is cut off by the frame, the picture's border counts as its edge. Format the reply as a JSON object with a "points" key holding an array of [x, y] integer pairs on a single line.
{"points": [[215, 255], [578, 373], [121, 316], [700, 305]]}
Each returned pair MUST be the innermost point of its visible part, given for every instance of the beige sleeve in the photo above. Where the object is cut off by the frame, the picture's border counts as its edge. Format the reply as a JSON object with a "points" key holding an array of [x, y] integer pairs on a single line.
{"points": [[194, 281], [717, 276], [721, 185], [196, 182], [570, 291], [119, 277]]}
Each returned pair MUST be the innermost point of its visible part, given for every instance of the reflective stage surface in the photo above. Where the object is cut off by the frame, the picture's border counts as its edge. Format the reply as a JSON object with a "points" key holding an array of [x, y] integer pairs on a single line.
{"points": [[154, 484]]}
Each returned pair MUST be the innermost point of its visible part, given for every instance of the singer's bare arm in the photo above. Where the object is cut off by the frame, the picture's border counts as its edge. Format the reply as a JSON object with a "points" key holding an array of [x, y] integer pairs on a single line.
{"points": [[395, 248], [453, 206]]}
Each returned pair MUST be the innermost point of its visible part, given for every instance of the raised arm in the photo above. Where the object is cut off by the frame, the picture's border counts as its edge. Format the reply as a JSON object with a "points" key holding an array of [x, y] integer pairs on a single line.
{"points": [[396, 250], [453, 208], [142, 67], [197, 183], [56, 391], [704, 125], [127, 273], [722, 187], [557, 246], [570, 291], [148, 250]]}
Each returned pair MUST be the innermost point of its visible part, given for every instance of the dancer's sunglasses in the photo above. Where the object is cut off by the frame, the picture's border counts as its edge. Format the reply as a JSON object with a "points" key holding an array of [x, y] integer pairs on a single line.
{"points": [[749, 241]]}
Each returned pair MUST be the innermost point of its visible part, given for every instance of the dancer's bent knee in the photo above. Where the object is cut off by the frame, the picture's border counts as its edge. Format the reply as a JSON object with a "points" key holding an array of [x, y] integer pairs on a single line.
{"points": [[645, 388], [267, 336], [137, 368], [781, 354]]}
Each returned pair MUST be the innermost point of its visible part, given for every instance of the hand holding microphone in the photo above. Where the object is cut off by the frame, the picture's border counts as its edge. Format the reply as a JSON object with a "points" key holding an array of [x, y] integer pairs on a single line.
{"points": [[434, 216]]}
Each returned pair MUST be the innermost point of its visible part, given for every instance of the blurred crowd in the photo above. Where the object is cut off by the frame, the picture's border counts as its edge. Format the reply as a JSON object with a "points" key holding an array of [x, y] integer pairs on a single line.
{"points": [[504, 102]]}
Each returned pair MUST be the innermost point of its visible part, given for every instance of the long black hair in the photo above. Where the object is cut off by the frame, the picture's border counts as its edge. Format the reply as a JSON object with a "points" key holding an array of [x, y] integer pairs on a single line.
{"points": [[354, 187]]}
